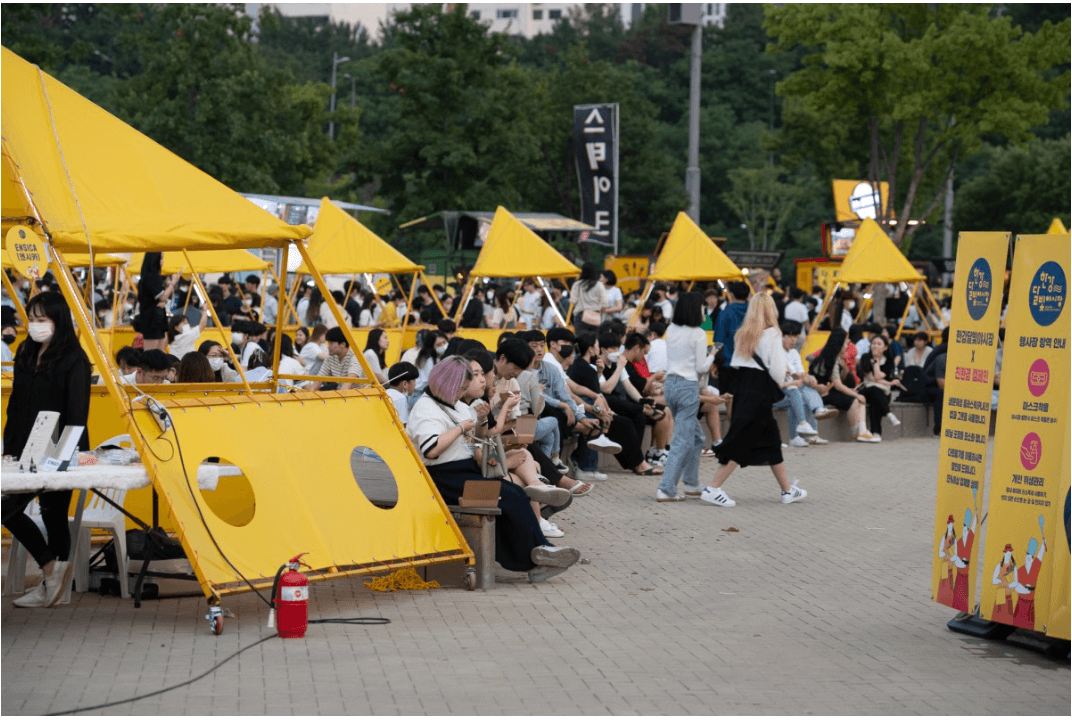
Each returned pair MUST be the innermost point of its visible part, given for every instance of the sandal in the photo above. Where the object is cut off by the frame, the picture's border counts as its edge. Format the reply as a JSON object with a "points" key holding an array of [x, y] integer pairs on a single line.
{"points": [[573, 489], [657, 414], [650, 471]]}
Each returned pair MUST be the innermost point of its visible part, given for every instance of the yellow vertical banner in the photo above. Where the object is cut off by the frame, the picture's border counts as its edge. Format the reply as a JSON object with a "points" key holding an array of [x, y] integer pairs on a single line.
{"points": [[1029, 483], [1058, 625], [969, 381]]}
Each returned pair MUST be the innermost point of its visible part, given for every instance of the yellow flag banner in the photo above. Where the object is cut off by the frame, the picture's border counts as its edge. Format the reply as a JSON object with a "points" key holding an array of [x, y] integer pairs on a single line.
{"points": [[1029, 484], [969, 382]]}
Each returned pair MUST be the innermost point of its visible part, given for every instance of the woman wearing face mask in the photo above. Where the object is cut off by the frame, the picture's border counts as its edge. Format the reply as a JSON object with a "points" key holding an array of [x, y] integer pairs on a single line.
{"points": [[218, 361], [194, 368], [375, 348], [51, 374], [7, 335], [182, 337]]}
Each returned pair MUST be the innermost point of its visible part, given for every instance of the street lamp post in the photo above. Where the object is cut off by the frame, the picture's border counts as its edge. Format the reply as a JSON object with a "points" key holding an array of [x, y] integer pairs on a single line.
{"points": [[335, 63], [692, 14], [353, 90]]}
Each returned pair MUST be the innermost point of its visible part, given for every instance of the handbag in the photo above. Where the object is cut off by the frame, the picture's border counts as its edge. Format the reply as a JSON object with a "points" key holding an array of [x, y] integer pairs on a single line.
{"points": [[776, 391], [592, 318]]}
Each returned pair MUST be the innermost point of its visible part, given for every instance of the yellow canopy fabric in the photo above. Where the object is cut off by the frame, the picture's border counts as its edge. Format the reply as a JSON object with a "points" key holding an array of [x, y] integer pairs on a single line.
{"points": [[135, 194], [341, 244], [689, 254], [222, 261], [874, 259], [511, 249], [1056, 227]]}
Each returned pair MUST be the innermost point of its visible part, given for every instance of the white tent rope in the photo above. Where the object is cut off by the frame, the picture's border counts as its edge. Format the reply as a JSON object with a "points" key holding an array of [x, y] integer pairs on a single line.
{"points": [[92, 279]]}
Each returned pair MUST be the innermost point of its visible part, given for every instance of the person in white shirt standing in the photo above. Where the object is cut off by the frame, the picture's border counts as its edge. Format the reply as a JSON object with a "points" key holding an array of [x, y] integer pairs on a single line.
{"points": [[688, 355], [796, 310], [753, 438], [530, 303], [615, 301]]}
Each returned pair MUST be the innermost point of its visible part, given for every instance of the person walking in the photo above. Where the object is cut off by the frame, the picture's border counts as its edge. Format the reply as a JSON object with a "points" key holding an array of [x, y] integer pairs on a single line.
{"points": [[753, 439], [686, 346]]}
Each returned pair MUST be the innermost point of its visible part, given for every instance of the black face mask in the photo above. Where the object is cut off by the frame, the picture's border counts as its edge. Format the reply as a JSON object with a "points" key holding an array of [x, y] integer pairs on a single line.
{"points": [[8, 338]]}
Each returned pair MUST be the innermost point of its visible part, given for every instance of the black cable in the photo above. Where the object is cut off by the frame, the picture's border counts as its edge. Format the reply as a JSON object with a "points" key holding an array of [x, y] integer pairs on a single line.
{"points": [[193, 496], [166, 689], [333, 620]]}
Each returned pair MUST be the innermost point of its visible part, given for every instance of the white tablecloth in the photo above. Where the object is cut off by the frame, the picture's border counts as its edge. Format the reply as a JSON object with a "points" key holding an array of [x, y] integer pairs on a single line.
{"points": [[101, 476]]}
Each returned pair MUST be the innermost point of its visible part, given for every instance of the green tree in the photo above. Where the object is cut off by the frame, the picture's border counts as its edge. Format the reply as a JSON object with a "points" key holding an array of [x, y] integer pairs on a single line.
{"points": [[926, 81], [208, 95], [763, 203], [1021, 189]]}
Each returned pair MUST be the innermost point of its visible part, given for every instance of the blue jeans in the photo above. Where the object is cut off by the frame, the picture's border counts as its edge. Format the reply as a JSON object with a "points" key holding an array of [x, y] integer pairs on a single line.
{"points": [[802, 403], [546, 437], [683, 463]]}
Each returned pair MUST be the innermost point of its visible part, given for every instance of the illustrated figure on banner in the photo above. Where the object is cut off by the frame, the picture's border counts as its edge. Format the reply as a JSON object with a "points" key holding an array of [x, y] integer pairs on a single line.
{"points": [[947, 547], [1005, 579], [1027, 581], [962, 560]]}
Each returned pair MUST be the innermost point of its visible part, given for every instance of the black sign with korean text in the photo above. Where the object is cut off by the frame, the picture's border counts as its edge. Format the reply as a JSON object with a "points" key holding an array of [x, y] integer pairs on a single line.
{"points": [[595, 138]]}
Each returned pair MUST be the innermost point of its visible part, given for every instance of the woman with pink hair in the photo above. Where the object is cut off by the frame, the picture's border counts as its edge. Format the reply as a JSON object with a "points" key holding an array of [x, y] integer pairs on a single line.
{"points": [[442, 427]]}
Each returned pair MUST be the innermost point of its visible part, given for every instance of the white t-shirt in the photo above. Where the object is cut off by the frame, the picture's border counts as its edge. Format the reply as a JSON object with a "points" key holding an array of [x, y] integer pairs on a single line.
{"points": [[667, 308], [185, 342], [549, 319], [401, 407], [367, 318], [862, 347], [768, 348], [373, 362], [796, 311], [530, 306], [410, 356], [428, 419], [657, 357], [247, 352], [309, 354], [290, 367], [686, 351], [793, 363], [614, 298]]}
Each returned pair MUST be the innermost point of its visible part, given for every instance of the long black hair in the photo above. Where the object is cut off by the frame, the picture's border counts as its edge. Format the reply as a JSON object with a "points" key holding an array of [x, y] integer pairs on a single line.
{"points": [[589, 275], [823, 368], [689, 309], [64, 341], [373, 343], [427, 351]]}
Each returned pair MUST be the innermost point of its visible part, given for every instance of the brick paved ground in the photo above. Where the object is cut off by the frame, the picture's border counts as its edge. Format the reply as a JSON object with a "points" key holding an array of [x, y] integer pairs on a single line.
{"points": [[814, 608]]}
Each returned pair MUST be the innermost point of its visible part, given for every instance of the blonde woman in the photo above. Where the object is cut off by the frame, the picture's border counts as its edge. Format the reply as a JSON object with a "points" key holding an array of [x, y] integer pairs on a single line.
{"points": [[753, 438]]}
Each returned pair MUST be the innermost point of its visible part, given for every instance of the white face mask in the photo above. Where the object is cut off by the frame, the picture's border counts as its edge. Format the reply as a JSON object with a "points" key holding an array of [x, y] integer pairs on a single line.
{"points": [[440, 350], [238, 337], [40, 331], [216, 362]]}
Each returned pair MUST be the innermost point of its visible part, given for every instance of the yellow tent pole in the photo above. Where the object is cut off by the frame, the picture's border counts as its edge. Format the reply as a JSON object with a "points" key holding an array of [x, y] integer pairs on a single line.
{"points": [[339, 319], [822, 310], [15, 299], [464, 300], [554, 306], [435, 298], [907, 307], [216, 320], [691, 284], [640, 304], [284, 298]]}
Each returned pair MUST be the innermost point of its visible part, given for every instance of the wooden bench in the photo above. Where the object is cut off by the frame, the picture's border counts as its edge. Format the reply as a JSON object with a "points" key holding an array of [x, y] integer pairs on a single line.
{"points": [[477, 526]]}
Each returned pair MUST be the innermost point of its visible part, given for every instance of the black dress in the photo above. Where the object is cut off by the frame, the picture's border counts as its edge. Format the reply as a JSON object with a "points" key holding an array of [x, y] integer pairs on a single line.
{"points": [[753, 438]]}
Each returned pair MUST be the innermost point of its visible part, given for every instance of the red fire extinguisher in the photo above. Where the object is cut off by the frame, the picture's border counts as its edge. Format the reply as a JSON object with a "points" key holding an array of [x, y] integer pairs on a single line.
{"points": [[290, 599]]}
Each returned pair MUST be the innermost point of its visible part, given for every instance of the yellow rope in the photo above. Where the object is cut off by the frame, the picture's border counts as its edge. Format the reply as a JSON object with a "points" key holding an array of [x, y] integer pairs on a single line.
{"points": [[402, 579]]}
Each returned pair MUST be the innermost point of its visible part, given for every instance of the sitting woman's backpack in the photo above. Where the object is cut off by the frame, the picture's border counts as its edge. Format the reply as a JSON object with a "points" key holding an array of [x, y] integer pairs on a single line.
{"points": [[915, 385]]}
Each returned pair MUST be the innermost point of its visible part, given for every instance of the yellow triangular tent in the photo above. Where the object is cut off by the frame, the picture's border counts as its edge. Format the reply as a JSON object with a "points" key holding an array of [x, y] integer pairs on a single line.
{"points": [[1057, 226], [135, 194], [874, 259], [223, 261], [689, 254], [341, 244], [512, 249]]}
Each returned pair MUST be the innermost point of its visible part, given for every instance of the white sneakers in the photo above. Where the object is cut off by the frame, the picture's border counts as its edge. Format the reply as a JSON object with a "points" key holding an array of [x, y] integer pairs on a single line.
{"points": [[892, 418], [868, 438], [550, 529], [798, 442], [602, 443], [716, 496], [805, 429], [827, 412], [657, 457], [582, 475], [661, 495], [50, 591], [547, 494], [795, 493], [560, 557]]}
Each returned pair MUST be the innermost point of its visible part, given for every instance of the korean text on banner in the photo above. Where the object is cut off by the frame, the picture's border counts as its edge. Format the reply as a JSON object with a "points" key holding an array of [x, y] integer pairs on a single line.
{"points": [[1026, 510], [969, 383], [595, 136]]}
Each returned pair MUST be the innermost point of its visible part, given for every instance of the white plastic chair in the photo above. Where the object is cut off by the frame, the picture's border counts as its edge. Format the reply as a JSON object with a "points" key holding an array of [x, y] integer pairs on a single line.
{"points": [[99, 514], [15, 579]]}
